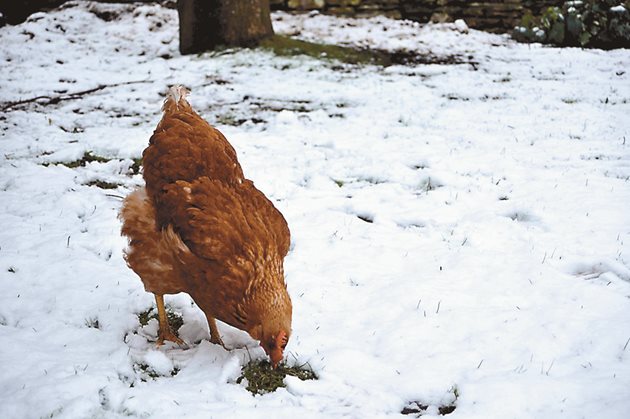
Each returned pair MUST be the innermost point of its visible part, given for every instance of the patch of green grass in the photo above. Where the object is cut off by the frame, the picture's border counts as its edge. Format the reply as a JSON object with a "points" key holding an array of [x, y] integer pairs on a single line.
{"points": [[147, 371], [505, 79], [102, 184], [372, 179], [429, 184], [261, 378], [88, 157], [174, 320], [93, 323], [230, 119], [288, 47], [418, 408], [136, 166]]}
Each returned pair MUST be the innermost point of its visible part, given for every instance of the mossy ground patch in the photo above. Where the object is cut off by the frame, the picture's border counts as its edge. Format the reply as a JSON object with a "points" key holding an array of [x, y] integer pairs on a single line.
{"points": [[261, 378], [103, 184], [418, 408], [286, 46], [87, 157], [174, 320]]}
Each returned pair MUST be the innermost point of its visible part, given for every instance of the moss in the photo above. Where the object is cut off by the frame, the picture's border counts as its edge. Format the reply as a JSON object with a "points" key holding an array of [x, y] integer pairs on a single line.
{"points": [[147, 371], [418, 408], [286, 46], [136, 166], [174, 320], [429, 184], [230, 119], [93, 322], [261, 378], [88, 157], [102, 184]]}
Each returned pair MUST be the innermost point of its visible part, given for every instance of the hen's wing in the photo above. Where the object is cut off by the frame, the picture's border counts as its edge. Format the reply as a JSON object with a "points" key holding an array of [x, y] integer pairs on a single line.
{"points": [[217, 220], [236, 233]]}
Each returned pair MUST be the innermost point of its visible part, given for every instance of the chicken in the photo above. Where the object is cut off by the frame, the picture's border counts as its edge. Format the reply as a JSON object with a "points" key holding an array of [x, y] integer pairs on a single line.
{"points": [[200, 227]]}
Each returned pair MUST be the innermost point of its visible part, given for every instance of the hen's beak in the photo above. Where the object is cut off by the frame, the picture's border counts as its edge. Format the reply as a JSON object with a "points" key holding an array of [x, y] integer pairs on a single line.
{"points": [[276, 356], [277, 353]]}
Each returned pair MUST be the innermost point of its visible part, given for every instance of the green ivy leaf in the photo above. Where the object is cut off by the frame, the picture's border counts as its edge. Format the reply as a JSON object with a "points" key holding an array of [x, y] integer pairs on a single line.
{"points": [[584, 38]]}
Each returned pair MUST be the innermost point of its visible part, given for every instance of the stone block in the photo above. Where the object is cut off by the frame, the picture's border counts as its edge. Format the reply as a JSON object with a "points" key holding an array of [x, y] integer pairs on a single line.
{"points": [[342, 3], [341, 11], [306, 4]]}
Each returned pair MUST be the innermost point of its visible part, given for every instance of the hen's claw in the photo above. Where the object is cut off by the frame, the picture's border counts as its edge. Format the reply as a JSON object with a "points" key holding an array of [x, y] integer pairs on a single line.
{"points": [[218, 341], [171, 337], [165, 332]]}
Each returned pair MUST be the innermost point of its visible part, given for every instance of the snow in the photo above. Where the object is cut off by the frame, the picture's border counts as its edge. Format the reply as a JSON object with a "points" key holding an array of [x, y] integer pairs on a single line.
{"points": [[158, 362], [461, 25], [490, 259]]}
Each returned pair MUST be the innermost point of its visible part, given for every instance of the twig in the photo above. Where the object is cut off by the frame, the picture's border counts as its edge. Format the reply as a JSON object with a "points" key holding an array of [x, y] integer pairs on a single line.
{"points": [[626, 345], [549, 369], [51, 100]]}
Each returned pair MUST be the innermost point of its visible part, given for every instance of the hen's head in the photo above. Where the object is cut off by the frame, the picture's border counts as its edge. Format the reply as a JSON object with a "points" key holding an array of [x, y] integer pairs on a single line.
{"points": [[274, 346], [274, 328]]}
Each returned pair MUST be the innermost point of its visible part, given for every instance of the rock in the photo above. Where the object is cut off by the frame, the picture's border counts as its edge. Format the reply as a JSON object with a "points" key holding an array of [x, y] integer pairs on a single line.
{"points": [[306, 4], [341, 11], [342, 2], [461, 26]]}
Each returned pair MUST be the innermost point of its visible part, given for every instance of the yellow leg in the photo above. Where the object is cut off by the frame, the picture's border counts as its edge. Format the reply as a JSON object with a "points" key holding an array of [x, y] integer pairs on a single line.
{"points": [[165, 332], [214, 332]]}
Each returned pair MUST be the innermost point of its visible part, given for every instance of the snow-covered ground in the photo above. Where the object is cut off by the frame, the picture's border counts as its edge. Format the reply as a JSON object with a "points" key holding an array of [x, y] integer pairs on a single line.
{"points": [[457, 229]]}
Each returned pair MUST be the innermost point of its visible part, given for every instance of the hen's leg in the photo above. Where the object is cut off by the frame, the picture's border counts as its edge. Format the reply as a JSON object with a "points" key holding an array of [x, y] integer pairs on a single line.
{"points": [[214, 332], [165, 332]]}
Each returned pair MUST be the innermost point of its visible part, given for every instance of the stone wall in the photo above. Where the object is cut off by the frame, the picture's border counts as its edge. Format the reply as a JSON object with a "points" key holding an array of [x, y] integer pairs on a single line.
{"points": [[491, 15]]}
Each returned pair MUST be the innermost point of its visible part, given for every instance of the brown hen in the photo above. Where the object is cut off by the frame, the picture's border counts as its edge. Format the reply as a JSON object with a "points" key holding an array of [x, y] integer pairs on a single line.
{"points": [[200, 227]]}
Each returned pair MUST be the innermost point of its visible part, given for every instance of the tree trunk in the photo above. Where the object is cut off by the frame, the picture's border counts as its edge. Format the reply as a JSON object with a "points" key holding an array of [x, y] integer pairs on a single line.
{"points": [[206, 24]]}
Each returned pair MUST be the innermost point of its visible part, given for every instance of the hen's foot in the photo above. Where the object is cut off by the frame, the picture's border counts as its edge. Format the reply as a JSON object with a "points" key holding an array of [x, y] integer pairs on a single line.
{"points": [[215, 337], [171, 337], [165, 332], [217, 341]]}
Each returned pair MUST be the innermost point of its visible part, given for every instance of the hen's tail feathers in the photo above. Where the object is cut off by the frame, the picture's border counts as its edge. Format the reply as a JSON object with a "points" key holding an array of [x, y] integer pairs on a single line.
{"points": [[176, 99]]}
